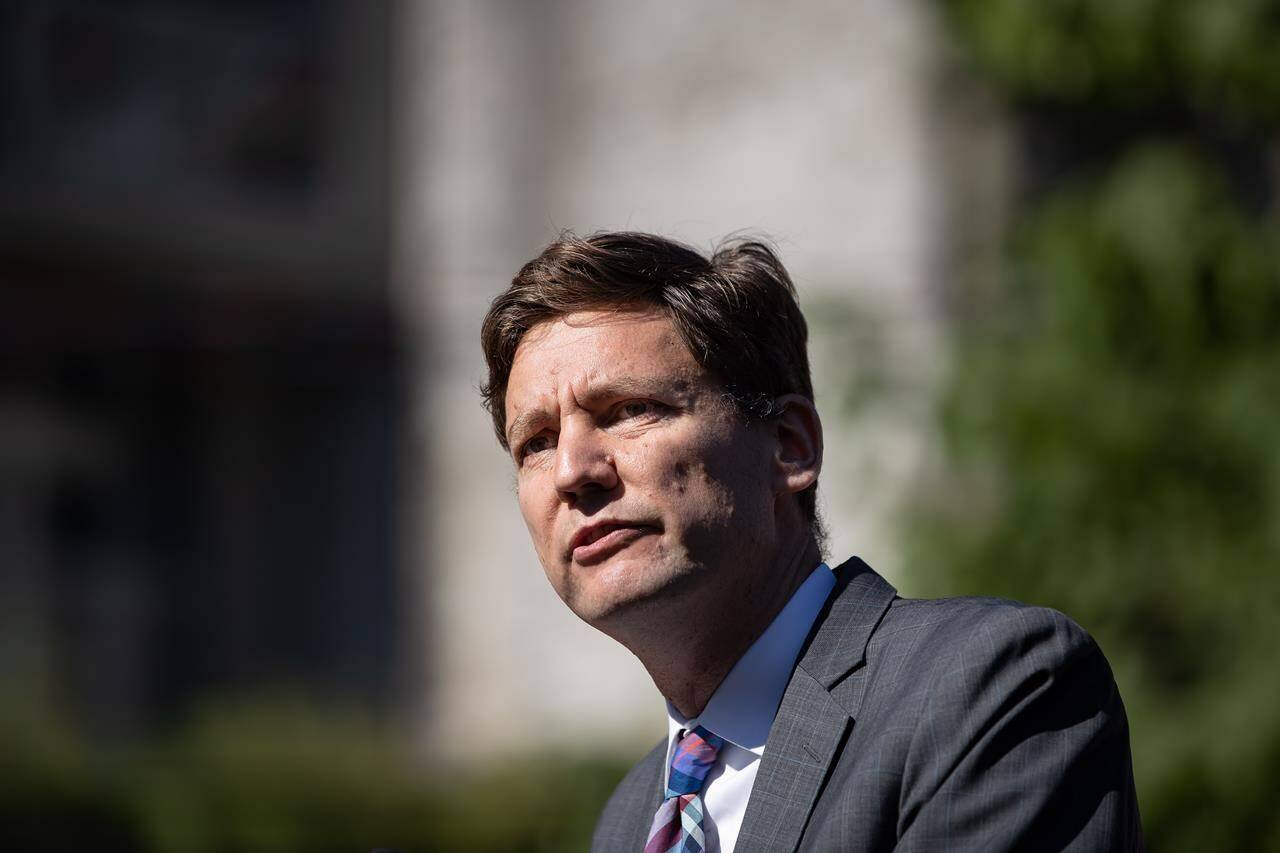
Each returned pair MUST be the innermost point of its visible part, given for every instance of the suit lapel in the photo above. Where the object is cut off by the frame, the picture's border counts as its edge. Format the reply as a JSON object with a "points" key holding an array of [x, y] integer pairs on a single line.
{"points": [[650, 797], [839, 642], [806, 735], [811, 725]]}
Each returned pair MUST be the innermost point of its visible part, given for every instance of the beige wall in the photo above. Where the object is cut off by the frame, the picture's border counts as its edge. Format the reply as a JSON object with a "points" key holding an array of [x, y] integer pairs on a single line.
{"points": [[815, 123]]}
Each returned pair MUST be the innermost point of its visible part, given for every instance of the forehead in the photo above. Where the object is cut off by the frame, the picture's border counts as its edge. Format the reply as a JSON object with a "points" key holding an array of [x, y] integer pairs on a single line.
{"points": [[588, 347]]}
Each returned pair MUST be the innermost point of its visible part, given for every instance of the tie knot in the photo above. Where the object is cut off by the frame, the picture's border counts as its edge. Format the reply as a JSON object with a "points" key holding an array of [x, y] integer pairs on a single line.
{"points": [[694, 755]]}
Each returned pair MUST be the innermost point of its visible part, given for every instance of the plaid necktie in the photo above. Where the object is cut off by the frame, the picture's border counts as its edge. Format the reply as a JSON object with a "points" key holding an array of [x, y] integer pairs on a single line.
{"points": [[677, 827]]}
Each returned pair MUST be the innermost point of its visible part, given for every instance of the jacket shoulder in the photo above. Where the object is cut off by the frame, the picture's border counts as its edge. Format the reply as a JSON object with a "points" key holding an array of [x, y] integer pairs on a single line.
{"points": [[1003, 720], [928, 654], [941, 625]]}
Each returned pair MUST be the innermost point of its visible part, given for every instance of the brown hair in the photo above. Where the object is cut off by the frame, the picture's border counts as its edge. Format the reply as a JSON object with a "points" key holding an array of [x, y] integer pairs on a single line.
{"points": [[736, 312]]}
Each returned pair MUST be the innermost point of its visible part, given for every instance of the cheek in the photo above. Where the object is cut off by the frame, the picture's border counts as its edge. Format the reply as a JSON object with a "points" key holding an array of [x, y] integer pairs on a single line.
{"points": [[696, 494], [678, 482], [733, 481], [539, 516]]}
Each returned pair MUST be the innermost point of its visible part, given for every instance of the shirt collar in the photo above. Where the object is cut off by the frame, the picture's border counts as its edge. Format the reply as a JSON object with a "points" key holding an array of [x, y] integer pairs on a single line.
{"points": [[743, 707]]}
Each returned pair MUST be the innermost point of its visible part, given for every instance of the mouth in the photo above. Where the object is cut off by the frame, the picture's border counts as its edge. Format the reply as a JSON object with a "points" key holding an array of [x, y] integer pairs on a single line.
{"points": [[597, 542]]}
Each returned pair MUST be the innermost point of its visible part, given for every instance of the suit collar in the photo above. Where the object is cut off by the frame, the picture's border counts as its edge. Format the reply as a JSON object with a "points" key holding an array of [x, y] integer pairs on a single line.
{"points": [[811, 724], [743, 707], [839, 644]]}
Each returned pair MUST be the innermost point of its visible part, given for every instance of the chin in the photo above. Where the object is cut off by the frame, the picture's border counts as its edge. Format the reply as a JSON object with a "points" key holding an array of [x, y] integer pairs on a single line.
{"points": [[611, 594]]}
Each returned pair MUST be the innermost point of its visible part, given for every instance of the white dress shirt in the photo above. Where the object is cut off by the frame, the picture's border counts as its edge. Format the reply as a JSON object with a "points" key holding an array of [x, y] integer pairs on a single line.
{"points": [[742, 710]]}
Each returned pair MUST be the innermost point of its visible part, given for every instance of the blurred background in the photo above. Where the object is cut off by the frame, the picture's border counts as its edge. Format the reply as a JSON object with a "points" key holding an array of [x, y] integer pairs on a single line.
{"points": [[263, 583]]}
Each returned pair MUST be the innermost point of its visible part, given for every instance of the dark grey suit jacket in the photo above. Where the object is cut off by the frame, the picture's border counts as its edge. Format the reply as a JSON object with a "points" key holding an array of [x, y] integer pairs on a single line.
{"points": [[948, 725]]}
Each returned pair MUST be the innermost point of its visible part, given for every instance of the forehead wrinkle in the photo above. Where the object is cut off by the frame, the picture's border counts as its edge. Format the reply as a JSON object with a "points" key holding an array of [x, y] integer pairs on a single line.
{"points": [[627, 385], [563, 388], [592, 388], [547, 403]]}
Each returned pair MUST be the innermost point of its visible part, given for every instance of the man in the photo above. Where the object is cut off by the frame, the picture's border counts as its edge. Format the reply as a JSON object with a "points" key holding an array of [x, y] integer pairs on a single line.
{"points": [[658, 409]]}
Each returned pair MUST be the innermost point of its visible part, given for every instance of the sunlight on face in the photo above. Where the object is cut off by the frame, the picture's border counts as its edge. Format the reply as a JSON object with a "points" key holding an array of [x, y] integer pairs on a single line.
{"points": [[635, 476]]}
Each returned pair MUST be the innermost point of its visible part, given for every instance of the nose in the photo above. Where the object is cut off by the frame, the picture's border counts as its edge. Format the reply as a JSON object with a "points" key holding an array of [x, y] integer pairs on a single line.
{"points": [[584, 464]]}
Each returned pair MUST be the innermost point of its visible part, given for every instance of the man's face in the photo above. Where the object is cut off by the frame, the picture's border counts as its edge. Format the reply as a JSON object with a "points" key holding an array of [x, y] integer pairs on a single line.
{"points": [[637, 479]]}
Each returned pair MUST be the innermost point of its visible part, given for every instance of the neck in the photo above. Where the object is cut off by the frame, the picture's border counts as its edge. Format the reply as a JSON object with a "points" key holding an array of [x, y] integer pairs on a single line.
{"points": [[688, 646]]}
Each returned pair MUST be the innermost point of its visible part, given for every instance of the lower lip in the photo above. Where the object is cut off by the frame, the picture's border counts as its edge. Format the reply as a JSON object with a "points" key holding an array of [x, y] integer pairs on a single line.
{"points": [[608, 545]]}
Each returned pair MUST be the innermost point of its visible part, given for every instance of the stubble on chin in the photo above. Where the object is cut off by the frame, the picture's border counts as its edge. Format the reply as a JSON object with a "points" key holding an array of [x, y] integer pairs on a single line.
{"points": [[642, 604]]}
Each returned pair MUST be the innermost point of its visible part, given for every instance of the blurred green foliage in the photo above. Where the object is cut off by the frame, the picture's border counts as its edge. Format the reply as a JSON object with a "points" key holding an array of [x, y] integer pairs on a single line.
{"points": [[1219, 56], [280, 777], [1110, 425]]}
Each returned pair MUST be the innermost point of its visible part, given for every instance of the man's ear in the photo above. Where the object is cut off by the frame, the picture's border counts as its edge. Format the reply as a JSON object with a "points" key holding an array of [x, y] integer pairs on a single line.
{"points": [[799, 450]]}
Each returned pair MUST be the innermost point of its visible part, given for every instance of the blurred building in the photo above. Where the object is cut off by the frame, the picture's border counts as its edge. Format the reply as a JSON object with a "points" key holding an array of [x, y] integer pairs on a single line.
{"points": [[200, 366], [246, 249], [830, 129]]}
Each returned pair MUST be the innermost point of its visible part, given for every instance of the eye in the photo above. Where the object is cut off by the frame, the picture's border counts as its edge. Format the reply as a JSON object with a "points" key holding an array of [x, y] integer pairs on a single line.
{"points": [[632, 409], [635, 408], [537, 444]]}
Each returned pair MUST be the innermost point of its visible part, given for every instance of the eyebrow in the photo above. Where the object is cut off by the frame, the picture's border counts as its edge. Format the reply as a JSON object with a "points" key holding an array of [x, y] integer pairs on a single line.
{"points": [[625, 386], [521, 423]]}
